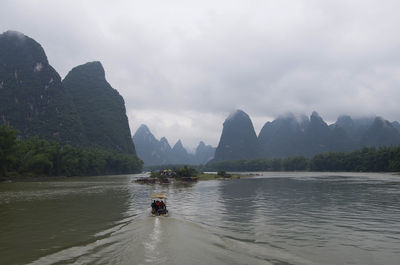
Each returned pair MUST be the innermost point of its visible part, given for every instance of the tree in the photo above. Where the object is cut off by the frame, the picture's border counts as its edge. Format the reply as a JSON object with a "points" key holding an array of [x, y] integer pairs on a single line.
{"points": [[186, 172], [221, 173], [295, 163], [7, 148]]}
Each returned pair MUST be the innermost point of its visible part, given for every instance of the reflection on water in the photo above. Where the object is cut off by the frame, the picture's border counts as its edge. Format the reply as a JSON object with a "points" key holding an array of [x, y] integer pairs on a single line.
{"points": [[277, 218]]}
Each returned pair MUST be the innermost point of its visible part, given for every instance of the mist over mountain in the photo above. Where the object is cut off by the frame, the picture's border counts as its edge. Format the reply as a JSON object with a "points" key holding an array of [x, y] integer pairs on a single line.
{"points": [[291, 135], [83, 109], [380, 133], [159, 152], [396, 125], [283, 136]]}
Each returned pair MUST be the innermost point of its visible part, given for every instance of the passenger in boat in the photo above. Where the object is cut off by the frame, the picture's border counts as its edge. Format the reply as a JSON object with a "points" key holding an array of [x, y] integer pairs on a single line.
{"points": [[158, 207], [162, 205], [153, 207]]}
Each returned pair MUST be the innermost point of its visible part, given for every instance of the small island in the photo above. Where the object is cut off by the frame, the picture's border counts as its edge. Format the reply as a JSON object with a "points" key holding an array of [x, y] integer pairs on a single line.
{"points": [[222, 175], [185, 174]]}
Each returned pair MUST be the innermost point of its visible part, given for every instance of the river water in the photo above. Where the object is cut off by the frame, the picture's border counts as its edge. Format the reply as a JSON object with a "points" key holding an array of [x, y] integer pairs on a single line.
{"points": [[273, 218]]}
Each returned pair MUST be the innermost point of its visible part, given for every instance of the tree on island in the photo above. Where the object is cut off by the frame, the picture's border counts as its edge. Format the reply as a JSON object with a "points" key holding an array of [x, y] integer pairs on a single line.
{"points": [[185, 172]]}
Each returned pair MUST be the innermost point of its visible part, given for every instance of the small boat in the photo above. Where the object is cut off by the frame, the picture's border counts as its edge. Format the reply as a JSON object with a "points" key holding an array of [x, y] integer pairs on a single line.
{"points": [[159, 204]]}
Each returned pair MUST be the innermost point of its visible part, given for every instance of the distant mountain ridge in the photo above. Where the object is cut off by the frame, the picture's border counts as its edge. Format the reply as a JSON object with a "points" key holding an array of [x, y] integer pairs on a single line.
{"points": [[291, 135], [83, 109], [159, 152]]}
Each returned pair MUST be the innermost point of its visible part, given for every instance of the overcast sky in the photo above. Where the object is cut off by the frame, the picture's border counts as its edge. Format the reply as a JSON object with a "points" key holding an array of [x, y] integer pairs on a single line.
{"points": [[183, 66]]}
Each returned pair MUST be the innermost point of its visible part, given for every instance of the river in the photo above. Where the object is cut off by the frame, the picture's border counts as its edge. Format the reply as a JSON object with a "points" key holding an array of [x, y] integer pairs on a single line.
{"points": [[273, 218]]}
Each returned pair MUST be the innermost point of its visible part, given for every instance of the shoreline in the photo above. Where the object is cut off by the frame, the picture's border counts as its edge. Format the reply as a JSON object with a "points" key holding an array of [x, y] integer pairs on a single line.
{"points": [[33, 179], [201, 177]]}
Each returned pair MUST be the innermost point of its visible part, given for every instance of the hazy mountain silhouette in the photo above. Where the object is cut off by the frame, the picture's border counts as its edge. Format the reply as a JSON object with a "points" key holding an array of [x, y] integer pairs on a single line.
{"points": [[204, 153], [381, 133], [148, 148], [291, 135], [238, 139], [283, 136], [159, 152]]}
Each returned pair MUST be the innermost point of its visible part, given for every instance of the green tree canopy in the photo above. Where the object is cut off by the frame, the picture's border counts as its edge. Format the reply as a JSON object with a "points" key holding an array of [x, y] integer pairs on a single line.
{"points": [[7, 148]]}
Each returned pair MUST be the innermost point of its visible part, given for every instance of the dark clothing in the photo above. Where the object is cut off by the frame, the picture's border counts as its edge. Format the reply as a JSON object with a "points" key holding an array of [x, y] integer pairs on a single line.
{"points": [[154, 207]]}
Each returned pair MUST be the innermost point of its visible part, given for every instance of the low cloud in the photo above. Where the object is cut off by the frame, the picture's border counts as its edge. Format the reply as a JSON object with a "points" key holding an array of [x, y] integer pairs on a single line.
{"points": [[182, 67]]}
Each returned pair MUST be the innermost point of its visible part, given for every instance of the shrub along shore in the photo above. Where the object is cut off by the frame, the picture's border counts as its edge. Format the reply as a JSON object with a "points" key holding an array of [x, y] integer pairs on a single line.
{"points": [[39, 158], [368, 159]]}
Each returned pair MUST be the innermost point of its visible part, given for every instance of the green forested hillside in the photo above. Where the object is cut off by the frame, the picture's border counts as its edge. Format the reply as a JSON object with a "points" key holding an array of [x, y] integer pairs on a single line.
{"points": [[79, 128], [37, 157], [32, 98], [101, 108], [82, 110]]}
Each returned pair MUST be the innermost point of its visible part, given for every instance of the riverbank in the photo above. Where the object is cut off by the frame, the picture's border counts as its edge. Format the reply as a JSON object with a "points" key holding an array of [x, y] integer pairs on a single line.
{"points": [[34, 178]]}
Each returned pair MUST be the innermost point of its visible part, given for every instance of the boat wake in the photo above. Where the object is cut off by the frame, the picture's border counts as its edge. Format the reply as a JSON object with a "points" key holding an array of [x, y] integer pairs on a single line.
{"points": [[159, 240]]}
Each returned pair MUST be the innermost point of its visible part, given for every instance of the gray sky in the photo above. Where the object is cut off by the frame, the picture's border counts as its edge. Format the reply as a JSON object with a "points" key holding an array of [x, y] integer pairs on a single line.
{"points": [[183, 66]]}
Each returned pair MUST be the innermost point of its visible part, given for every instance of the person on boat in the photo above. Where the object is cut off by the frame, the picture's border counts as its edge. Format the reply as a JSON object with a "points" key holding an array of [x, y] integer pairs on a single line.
{"points": [[162, 205], [153, 207]]}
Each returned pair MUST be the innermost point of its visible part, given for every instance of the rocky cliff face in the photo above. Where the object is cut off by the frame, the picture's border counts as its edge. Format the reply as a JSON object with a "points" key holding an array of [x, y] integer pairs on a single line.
{"points": [[101, 108], [238, 139], [32, 98], [83, 109]]}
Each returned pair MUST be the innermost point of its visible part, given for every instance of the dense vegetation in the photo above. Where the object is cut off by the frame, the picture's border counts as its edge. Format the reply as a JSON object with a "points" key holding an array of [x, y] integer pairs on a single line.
{"points": [[175, 172], [82, 110], [383, 159], [32, 98], [101, 108], [37, 157]]}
